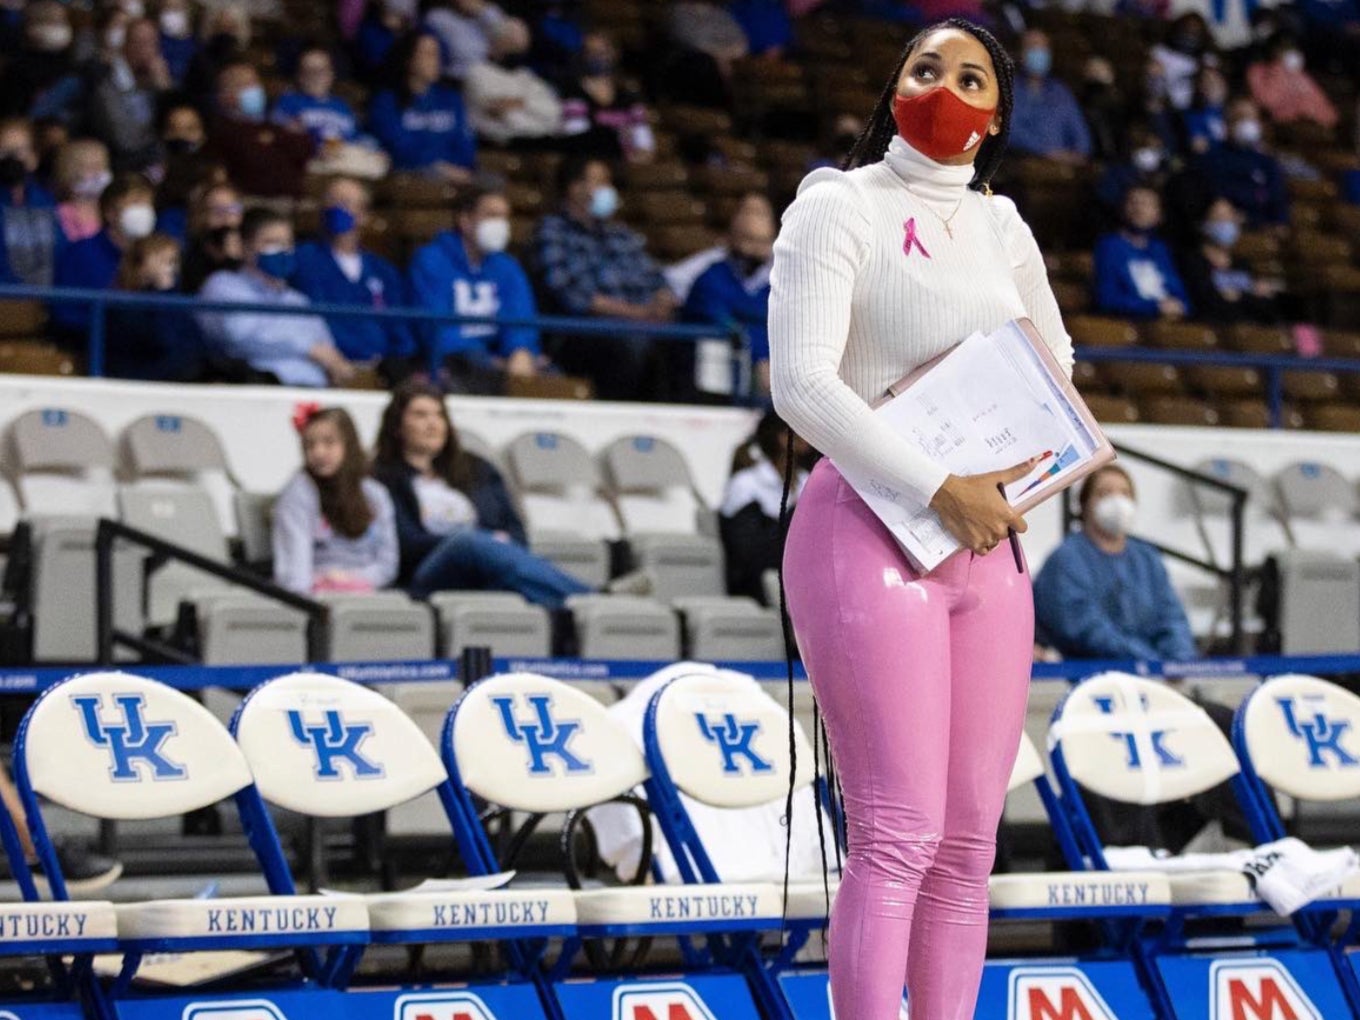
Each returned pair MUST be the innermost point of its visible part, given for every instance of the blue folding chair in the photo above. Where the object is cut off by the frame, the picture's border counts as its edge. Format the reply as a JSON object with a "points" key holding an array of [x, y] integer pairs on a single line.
{"points": [[328, 748], [527, 743], [1137, 741], [119, 747]]}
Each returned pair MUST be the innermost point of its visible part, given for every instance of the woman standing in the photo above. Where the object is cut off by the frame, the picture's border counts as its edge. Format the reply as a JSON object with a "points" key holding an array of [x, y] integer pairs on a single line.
{"points": [[921, 679]]}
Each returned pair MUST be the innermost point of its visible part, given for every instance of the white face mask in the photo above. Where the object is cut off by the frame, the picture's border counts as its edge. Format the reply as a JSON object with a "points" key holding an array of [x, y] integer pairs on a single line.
{"points": [[1147, 160], [115, 37], [137, 221], [1114, 515], [493, 235], [175, 23], [51, 38], [1292, 60], [1247, 133], [92, 185]]}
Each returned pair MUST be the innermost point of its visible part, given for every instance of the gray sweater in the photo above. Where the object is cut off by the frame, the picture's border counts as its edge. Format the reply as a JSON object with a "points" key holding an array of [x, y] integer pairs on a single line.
{"points": [[305, 547]]}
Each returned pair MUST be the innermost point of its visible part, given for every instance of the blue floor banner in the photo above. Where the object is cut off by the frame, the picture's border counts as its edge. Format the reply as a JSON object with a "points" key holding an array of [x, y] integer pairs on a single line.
{"points": [[489, 1002], [42, 1011], [281, 1004], [1295, 984], [695, 997], [1062, 990]]}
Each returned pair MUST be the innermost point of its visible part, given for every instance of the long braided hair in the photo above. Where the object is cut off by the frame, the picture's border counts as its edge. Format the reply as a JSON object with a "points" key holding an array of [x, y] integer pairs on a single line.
{"points": [[873, 142]]}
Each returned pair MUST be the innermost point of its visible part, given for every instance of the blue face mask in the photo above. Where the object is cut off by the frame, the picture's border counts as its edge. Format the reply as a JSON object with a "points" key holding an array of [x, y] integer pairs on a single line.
{"points": [[278, 264], [604, 202], [1223, 233], [251, 101], [1038, 62], [337, 220]]}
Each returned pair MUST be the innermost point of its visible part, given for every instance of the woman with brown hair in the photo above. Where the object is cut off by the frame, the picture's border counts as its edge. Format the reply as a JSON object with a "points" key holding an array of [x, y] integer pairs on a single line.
{"points": [[152, 342]]}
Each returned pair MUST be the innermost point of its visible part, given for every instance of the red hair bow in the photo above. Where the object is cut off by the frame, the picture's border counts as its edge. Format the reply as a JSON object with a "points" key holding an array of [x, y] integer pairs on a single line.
{"points": [[303, 414]]}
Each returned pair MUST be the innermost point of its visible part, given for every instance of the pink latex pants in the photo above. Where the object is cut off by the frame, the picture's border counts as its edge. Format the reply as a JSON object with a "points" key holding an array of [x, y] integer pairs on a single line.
{"points": [[922, 683]]}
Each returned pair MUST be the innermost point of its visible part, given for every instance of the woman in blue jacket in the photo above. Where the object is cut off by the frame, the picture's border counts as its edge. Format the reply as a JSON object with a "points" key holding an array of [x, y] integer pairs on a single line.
{"points": [[1134, 272], [421, 123]]}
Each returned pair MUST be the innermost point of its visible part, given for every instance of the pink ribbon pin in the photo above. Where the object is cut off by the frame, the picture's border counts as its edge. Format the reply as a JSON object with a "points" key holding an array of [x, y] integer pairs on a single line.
{"points": [[911, 239]]}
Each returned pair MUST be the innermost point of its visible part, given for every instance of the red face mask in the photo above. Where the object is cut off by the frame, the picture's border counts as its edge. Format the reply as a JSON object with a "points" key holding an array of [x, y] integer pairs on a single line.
{"points": [[939, 123]]}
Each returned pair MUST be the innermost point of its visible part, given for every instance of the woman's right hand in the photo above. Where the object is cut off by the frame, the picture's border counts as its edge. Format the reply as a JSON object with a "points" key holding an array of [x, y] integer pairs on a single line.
{"points": [[972, 509]]}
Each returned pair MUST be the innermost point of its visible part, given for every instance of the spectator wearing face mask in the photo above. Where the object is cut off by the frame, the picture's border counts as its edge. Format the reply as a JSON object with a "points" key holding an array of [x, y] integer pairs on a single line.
{"points": [[383, 23], [471, 32], [681, 276], [336, 270], [1046, 120], [1222, 288], [124, 97], [178, 45], [590, 264], [1103, 594], [1284, 89], [1203, 122], [82, 174], [30, 237], [260, 157], [1147, 165], [127, 210], [1244, 172], [1180, 57], [421, 123], [298, 350], [225, 40], [186, 165], [507, 103], [467, 271], [839, 140], [1105, 109], [42, 79], [312, 106], [152, 343], [601, 114], [1135, 275], [215, 213]]}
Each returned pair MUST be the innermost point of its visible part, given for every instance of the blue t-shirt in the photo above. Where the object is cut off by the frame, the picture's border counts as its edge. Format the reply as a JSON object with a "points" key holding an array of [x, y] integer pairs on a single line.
{"points": [[329, 119], [427, 129], [443, 280], [721, 296], [1047, 119], [1132, 280], [380, 285], [91, 264]]}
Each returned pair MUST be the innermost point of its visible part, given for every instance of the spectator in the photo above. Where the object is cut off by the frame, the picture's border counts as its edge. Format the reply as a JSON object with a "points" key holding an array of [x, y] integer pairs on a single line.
{"points": [[1222, 288], [507, 103], [469, 272], [127, 210], [1046, 120], [30, 237], [735, 292], [226, 40], [421, 123], [383, 23], [1153, 106], [124, 96], [82, 174], [845, 131], [1103, 594], [336, 270], [1243, 171], [298, 350], [1147, 165], [261, 158], [215, 212], [1203, 122], [312, 106], [158, 344], [1134, 273], [1283, 87], [766, 24], [1181, 56], [590, 265], [708, 41], [105, 42], [186, 166], [557, 40], [682, 275], [601, 115], [334, 529], [42, 79], [445, 544], [470, 32], [1105, 109], [178, 45], [748, 519]]}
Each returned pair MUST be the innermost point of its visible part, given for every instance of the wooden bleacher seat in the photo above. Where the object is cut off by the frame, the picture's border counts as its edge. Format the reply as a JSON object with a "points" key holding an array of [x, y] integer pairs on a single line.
{"points": [[1142, 378], [1099, 331], [1112, 410], [1185, 336], [1311, 387], [1224, 380], [1252, 339], [1333, 417], [35, 357], [1173, 410], [22, 318]]}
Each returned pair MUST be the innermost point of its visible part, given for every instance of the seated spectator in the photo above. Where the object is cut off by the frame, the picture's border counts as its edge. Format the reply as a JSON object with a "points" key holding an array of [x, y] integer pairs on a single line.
{"points": [[82, 174], [1222, 288], [186, 166], [1046, 120], [836, 145], [336, 270], [1134, 273], [707, 40], [601, 115], [420, 123], [383, 23], [1286, 91], [30, 237], [589, 264], [312, 106], [1181, 56], [124, 95], [507, 102], [43, 79], [178, 45], [446, 538], [735, 291], [215, 212], [261, 158], [1105, 109], [1244, 172], [127, 211], [158, 344], [766, 24], [1103, 594], [1153, 108], [1203, 121], [682, 275], [298, 350], [1147, 165], [467, 271], [470, 32], [225, 32], [748, 519], [334, 529], [557, 40]]}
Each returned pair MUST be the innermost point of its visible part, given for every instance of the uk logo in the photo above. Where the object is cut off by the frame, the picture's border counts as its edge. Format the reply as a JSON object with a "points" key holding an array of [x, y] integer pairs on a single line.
{"points": [[442, 1006], [1054, 993], [543, 736], [734, 741], [335, 742], [1136, 747], [664, 1000], [135, 745], [240, 1009], [1259, 989], [1307, 720]]}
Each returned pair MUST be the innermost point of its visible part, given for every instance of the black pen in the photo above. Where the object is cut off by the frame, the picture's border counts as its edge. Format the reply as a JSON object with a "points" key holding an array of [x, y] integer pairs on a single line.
{"points": [[1012, 537]]}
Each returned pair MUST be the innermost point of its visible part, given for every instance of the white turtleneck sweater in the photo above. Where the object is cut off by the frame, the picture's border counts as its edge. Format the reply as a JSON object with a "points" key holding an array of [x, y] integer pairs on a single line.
{"points": [[852, 310]]}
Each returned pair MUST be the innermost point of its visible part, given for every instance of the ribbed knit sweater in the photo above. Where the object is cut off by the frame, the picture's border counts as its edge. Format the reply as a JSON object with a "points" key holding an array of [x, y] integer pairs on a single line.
{"points": [[867, 284]]}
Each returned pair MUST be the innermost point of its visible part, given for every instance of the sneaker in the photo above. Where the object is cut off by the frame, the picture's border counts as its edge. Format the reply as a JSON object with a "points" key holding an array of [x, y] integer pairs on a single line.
{"points": [[85, 872], [638, 582]]}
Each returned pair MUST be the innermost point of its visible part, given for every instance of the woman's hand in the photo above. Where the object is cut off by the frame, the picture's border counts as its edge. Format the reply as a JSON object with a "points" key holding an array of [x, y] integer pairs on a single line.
{"points": [[974, 511]]}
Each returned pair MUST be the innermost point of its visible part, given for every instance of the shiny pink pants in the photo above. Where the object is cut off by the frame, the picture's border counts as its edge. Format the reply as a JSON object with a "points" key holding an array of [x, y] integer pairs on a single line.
{"points": [[922, 684]]}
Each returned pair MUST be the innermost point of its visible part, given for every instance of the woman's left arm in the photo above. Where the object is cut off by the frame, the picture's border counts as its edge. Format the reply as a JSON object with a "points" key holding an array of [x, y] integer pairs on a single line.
{"points": [[1031, 279]]}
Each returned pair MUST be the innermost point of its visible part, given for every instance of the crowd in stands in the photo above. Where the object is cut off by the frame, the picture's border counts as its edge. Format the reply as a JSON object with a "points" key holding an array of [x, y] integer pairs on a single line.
{"points": [[191, 147]]}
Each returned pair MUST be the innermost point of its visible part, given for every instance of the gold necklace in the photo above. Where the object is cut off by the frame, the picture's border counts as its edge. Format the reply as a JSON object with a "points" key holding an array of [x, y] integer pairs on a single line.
{"points": [[946, 220]]}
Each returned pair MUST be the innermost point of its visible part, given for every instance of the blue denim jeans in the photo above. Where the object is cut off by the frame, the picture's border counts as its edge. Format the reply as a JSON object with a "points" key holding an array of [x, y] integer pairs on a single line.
{"points": [[476, 560]]}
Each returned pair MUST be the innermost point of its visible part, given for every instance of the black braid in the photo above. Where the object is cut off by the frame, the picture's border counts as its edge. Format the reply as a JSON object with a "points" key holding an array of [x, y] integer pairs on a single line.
{"points": [[873, 142]]}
